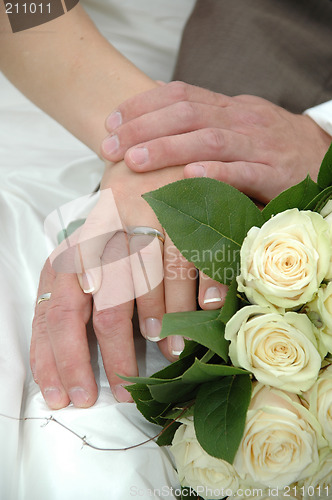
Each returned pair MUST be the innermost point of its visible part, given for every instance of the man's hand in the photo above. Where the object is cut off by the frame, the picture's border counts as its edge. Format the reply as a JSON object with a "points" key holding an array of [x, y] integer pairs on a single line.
{"points": [[246, 141]]}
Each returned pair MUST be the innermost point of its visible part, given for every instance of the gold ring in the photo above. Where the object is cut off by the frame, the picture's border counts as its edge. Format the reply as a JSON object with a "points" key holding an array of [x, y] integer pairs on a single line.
{"points": [[148, 231], [44, 296]]}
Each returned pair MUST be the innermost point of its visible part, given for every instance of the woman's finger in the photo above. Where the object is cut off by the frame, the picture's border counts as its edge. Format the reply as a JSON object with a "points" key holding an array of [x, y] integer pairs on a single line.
{"points": [[211, 294], [180, 289], [112, 316], [100, 226], [146, 254]]}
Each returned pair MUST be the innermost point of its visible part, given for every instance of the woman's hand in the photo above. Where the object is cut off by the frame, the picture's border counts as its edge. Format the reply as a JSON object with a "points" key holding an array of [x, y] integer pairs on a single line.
{"points": [[113, 270], [246, 141]]}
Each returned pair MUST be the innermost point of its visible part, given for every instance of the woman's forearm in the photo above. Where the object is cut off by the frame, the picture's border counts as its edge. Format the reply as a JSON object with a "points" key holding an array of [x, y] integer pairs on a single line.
{"points": [[67, 68]]}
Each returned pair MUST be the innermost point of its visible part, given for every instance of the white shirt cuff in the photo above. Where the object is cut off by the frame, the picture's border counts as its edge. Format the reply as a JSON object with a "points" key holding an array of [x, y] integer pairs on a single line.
{"points": [[322, 115]]}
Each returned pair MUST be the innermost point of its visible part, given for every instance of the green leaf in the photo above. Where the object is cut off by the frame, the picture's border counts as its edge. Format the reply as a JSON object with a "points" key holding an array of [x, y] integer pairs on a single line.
{"points": [[207, 221], [191, 348], [231, 303], [185, 411], [201, 326], [324, 178], [150, 409], [297, 196], [166, 438], [175, 391], [320, 200], [220, 413], [200, 373], [173, 370]]}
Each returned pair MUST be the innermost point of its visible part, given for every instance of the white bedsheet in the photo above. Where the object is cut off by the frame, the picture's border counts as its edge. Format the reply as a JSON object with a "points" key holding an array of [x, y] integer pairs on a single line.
{"points": [[42, 167]]}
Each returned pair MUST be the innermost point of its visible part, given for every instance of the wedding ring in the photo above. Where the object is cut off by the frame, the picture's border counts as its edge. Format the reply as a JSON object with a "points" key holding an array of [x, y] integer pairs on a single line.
{"points": [[44, 296], [148, 231]]}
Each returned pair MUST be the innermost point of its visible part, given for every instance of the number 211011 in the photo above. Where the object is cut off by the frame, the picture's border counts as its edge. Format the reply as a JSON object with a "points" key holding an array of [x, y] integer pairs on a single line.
{"points": [[25, 8]]}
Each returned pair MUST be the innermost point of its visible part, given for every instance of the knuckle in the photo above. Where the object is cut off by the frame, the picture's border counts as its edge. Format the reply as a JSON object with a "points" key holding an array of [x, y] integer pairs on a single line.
{"points": [[186, 112], [213, 139], [39, 323], [67, 365], [108, 322], [179, 91], [58, 313]]}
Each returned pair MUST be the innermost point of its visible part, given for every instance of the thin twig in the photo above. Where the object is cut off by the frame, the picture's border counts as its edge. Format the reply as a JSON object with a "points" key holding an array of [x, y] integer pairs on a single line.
{"points": [[83, 438]]}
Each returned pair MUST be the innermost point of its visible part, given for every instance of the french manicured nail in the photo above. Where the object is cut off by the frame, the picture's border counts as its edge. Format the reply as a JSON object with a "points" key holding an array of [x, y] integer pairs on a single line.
{"points": [[52, 396], [87, 283], [177, 344], [197, 171], [79, 396], [139, 156], [153, 329], [111, 144], [212, 295], [114, 120], [121, 394]]}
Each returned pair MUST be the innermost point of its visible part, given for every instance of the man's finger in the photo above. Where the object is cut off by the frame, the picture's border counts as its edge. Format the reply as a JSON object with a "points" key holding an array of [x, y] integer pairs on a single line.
{"points": [[178, 118], [204, 144], [161, 97], [256, 180], [42, 360], [67, 314]]}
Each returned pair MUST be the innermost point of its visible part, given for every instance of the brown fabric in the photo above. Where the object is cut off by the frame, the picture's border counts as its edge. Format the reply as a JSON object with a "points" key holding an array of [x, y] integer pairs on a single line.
{"points": [[277, 49]]}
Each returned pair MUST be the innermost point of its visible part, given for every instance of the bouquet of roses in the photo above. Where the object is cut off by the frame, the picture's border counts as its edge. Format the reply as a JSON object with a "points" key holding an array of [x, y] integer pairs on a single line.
{"points": [[247, 408]]}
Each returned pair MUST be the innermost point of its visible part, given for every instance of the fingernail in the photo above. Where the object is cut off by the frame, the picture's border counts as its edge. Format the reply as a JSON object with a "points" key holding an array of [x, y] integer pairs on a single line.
{"points": [[139, 156], [111, 144], [153, 329], [197, 171], [52, 396], [121, 394], [114, 120], [177, 344], [78, 396], [212, 295], [87, 283]]}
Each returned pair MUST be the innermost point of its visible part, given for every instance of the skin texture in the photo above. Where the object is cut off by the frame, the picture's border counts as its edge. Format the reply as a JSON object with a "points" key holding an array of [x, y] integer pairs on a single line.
{"points": [[246, 141]]}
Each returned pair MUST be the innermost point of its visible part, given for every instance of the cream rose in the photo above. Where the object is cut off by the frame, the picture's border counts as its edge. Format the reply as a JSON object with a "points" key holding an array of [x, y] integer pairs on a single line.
{"points": [[207, 475], [320, 403], [280, 350], [280, 442], [326, 213], [284, 261], [319, 485], [320, 311]]}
